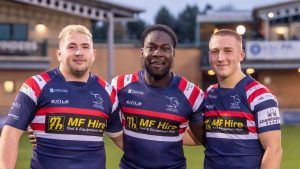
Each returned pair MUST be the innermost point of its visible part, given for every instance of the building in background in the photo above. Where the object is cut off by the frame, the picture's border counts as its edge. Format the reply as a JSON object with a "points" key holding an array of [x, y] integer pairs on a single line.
{"points": [[31, 40], [29, 36], [272, 45]]}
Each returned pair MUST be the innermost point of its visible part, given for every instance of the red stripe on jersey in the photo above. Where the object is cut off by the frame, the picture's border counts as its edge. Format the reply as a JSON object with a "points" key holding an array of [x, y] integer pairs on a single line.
{"points": [[37, 126], [45, 76], [254, 83], [34, 86], [120, 82], [101, 82], [154, 114], [256, 93], [123, 122], [229, 114], [181, 130], [208, 89], [182, 84], [194, 95], [135, 77], [113, 95], [69, 110], [252, 129]]}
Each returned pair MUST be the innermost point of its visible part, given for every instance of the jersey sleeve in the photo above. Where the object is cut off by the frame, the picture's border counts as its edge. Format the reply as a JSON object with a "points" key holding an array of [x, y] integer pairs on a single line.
{"points": [[265, 107], [195, 97], [23, 108], [114, 127]]}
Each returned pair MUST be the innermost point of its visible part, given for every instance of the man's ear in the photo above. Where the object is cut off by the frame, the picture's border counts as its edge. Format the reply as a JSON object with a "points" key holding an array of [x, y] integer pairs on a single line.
{"points": [[58, 55], [142, 51], [242, 56]]}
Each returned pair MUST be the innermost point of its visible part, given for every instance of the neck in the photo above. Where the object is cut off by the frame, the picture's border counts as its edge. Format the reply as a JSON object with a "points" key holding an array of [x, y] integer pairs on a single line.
{"points": [[162, 82], [231, 81], [68, 76]]}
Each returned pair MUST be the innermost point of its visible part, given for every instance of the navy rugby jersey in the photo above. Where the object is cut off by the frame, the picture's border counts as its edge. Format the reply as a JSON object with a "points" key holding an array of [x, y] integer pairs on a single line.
{"points": [[154, 120], [233, 118], [68, 120]]}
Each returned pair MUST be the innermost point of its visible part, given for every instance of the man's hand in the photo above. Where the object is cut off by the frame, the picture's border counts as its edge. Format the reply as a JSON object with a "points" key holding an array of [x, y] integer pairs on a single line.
{"points": [[31, 136]]}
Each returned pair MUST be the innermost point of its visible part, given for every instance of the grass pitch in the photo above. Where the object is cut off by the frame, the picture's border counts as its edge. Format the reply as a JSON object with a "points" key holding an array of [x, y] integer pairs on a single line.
{"points": [[194, 154]]}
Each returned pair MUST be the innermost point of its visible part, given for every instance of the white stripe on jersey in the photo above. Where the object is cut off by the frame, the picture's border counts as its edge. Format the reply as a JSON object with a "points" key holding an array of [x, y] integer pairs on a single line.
{"points": [[199, 101], [250, 136], [42, 134], [154, 138], [253, 89], [251, 123], [39, 119], [268, 117], [39, 80], [115, 104], [116, 134], [127, 79], [114, 82], [188, 90], [184, 125], [29, 92], [108, 88], [261, 98]]}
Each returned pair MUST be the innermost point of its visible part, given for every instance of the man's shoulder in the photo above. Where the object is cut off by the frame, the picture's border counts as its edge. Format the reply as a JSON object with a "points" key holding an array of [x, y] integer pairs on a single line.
{"points": [[121, 81]]}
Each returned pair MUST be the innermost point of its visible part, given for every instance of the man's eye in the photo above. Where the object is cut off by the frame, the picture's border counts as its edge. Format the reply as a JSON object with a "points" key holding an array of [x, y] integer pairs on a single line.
{"points": [[227, 51], [214, 52]]}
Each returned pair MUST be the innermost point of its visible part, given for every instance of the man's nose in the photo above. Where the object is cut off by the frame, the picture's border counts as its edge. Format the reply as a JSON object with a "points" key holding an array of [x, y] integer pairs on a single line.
{"points": [[221, 56], [157, 52]]}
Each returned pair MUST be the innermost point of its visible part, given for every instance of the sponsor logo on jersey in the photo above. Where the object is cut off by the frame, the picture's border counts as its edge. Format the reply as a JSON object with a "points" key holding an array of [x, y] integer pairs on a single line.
{"points": [[131, 91], [60, 101], [15, 105], [210, 106], [236, 102], [268, 117], [173, 105], [151, 125], [98, 101], [61, 123], [52, 90], [133, 103], [212, 96], [15, 117], [229, 125]]}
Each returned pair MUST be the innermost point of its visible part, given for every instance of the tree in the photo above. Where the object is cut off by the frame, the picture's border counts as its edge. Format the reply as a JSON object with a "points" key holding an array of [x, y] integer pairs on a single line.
{"points": [[135, 29], [186, 24], [165, 17]]}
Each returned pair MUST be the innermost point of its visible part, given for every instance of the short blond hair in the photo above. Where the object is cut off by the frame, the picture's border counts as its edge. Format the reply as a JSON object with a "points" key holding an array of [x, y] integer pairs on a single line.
{"points": [[74, 29], [228, 32]]}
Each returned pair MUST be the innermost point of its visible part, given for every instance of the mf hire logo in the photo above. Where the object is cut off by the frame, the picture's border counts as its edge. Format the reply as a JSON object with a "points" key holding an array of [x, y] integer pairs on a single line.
{"points": [[98, 101]]}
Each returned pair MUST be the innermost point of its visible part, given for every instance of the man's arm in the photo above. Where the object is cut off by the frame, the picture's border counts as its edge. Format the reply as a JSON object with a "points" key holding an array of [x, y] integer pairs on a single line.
{"points": [[117, 138], [9, 145], [271, 142], [193, 134]]}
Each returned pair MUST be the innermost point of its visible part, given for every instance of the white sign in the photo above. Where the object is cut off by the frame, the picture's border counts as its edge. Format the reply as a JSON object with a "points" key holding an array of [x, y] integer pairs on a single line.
{"points": [[273, 50]]}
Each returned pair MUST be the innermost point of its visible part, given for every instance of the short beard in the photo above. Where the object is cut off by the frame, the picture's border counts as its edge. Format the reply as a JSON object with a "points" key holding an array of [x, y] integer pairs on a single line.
{"points": [[159, 76]]}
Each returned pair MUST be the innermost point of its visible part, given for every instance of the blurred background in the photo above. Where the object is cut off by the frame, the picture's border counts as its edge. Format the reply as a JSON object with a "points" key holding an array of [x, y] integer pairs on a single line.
{"points": [[270, 29]]}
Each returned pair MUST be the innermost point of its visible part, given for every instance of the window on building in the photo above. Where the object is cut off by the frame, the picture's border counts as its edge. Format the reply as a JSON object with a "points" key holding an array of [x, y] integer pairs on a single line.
{"points": [[13, 31]]}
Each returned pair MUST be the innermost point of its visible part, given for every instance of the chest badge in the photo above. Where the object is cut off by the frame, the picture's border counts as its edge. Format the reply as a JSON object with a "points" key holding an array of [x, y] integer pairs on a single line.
{"points": [[98, 101], [236, 102]]}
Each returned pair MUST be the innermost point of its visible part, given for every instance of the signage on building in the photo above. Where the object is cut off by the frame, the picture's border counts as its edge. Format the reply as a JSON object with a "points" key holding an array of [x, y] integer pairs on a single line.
{"points": [[273, 50], [18, 47]]}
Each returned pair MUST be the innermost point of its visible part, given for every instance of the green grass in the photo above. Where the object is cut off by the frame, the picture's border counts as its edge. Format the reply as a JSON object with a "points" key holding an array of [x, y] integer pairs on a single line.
{"points": [[194, 154]]}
